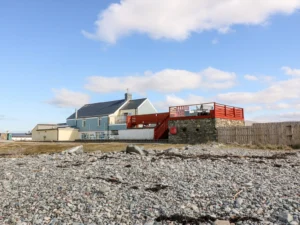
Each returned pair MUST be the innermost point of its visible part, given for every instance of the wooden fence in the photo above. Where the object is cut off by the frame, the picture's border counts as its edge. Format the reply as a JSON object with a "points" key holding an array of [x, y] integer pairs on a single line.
{"points": [[285, 133]]}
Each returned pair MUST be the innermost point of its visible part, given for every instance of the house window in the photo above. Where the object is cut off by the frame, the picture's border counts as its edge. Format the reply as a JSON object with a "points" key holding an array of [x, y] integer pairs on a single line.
{"points": [[114, 132], [99, 122], [83, 123], [84, 136]]}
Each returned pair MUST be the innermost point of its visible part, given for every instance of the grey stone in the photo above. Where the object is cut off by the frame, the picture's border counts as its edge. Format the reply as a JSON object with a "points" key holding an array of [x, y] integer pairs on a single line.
{"points": [[72, 190], [92, 159], [134, 149], [249, 184], [103, 188], [260, 211], [235, 211], [239, 202], [172, 150], [294, 223], [285, 217], [222, 222], [75, 150], [227, 209], [149, 222]]}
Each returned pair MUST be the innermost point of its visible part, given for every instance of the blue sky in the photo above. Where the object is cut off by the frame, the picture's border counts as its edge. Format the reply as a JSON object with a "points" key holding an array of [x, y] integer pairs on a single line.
{"points": [[58, 55]]}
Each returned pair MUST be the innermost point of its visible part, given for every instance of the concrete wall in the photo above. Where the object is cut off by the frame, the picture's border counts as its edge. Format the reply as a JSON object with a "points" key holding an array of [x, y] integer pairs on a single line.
{"points": [[146, 108], [22, 138], [193, 131], [59, 134], [44, 135], [67, 134], [136, 134]]}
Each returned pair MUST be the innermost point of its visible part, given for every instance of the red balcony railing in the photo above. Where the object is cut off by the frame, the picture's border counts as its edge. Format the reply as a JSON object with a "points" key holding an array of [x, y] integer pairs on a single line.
{"points": [[206, 110]]}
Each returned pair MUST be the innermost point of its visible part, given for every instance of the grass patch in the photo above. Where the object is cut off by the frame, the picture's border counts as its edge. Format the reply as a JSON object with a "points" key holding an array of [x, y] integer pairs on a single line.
{"points": [[31, 148]]}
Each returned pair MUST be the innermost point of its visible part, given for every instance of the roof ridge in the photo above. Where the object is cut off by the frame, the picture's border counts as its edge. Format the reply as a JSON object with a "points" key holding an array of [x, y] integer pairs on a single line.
{"points": [[138, 99], [105, 102]]}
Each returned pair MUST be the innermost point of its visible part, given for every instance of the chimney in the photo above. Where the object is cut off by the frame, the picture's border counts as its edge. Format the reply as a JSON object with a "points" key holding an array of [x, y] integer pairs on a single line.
{"points": [[128, 96], [76, 114]]}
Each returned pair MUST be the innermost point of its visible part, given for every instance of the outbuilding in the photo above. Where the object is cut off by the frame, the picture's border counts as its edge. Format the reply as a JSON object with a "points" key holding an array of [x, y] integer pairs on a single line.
{"points": [[54, 132]]}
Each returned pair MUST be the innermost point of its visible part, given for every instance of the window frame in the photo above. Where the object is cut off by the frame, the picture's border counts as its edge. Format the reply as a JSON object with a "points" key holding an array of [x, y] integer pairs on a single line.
{"points": [[114, 132]]}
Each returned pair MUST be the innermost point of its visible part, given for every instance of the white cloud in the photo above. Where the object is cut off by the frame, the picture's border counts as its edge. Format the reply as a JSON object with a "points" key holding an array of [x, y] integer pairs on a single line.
{"points": [[279, 106], [251, 109], [68, 99], [290, 116], [167, 81], [277, 117], [173, 100], [290, 71], [177, 19], [278, 91], [251, 77]]}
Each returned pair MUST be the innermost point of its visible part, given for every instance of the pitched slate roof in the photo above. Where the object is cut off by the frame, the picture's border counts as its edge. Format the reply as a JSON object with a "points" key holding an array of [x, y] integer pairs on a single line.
{"points": [[133, 104], [21, 135], [98, 109]]}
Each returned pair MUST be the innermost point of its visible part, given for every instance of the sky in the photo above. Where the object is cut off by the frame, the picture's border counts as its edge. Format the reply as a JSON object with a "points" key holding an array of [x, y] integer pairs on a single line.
{"points": [[56, 56]]}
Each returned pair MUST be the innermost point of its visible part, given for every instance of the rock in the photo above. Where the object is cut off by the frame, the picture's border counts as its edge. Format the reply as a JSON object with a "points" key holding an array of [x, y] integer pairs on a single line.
{"points": [[149, 222], [249, 184], [260, 211], [227, 209], [92, 159], [239, 202], [72, 189], [235, 211], [222, 222], [172, 150], [193, 207], [134, 149], [285, 217], [149, 152], [145, 152], [103, 189], [76, 150]]}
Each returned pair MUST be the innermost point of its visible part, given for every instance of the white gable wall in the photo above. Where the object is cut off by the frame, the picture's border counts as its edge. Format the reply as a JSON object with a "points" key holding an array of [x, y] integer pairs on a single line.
{"points": [[146, 108]]}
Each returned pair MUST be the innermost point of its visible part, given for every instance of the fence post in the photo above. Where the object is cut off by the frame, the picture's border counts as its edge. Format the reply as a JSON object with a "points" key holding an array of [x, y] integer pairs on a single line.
{"points": [[236, 135]]}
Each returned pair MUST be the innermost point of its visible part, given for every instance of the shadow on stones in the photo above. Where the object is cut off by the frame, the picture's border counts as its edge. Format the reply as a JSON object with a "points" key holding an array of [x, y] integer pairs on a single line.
{"points": [[202, 219], [157, 188], [216, 157], [111, 180]]}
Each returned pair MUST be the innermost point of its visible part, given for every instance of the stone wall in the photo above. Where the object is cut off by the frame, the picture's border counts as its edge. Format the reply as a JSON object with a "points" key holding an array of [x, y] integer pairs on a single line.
{"points": [[195, 131], [229, 123]]}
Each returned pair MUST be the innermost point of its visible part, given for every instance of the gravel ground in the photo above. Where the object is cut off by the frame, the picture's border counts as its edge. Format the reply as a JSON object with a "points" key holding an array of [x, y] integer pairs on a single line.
{"points": [[196, 185]]}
